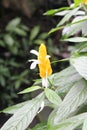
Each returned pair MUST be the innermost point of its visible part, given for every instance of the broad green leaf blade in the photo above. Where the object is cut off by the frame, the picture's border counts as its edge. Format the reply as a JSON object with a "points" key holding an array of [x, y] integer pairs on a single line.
{"points": [[75, 28], [70, 123], [64, 80], [68, 16], [43, 36], [8, 39], [13, 109], [30, 89], [80, 64], [75, 98], [20, 31], [24, 116], [34, 32], [85, 124], [76, 39], [53, 96], [13, 23]]}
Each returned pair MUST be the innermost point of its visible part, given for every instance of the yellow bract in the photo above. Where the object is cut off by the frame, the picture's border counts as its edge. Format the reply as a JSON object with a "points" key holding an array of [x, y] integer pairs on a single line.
{"points": [[85, 1], [44, 62]]}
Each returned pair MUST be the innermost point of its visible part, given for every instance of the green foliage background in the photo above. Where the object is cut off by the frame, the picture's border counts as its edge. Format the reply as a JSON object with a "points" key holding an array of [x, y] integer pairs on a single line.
{"points": [[16, 41]]}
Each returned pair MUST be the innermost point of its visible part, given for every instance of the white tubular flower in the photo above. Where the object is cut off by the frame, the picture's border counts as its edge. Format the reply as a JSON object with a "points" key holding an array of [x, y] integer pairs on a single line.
{"points": [[34, 52], [33, 64], [34, 61]]}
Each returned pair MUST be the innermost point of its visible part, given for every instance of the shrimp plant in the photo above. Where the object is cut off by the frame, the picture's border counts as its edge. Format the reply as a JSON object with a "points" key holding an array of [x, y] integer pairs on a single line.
{"points": [[64, 92]]}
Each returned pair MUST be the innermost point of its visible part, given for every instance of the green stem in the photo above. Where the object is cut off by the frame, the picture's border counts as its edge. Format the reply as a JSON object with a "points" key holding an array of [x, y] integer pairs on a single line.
{"points": [[67, 59]]}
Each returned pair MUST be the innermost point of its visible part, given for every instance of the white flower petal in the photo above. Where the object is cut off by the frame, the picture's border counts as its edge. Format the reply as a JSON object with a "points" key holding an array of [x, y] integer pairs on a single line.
{"points": [[48, 56], [44, 82], [33, 64], [34, 52], [32, 60]]}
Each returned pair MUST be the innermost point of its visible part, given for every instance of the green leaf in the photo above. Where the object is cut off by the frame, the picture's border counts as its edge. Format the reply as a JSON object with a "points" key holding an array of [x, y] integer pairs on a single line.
{"points": [[14, 50], [76, 39], [43, 36], [2, 80], [53, 96], [68, 16], [24, 27], [74, 28], [80, 64], [34, 32], [81, 50], [13, 109], [77, 2], [2, 43], [55, 29], [53, 11], [38, 41], [9, 40], [74, 99], [85, 124], [17, 84], [30, 89], [12, 24], [24, 73], [84, 30], [70, 123], [20, 32], [24, 116], [64, 80], [80, 25]]}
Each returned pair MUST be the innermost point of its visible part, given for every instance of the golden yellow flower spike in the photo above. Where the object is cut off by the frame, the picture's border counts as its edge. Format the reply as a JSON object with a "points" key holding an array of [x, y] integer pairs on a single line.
{"points": [[44, 62]]}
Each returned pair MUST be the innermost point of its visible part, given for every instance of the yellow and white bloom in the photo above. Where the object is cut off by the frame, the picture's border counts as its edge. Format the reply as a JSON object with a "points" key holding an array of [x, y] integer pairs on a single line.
{"points": [[43, 63]]}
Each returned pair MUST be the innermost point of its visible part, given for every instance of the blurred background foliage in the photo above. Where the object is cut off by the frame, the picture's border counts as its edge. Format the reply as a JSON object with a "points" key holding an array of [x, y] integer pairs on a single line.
{"points": [[15, 43], [22, 28]]}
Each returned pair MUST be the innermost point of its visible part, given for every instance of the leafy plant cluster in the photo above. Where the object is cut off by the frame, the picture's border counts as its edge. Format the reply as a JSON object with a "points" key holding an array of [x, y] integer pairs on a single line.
{"points": [[16, 40], [67, 93]]}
